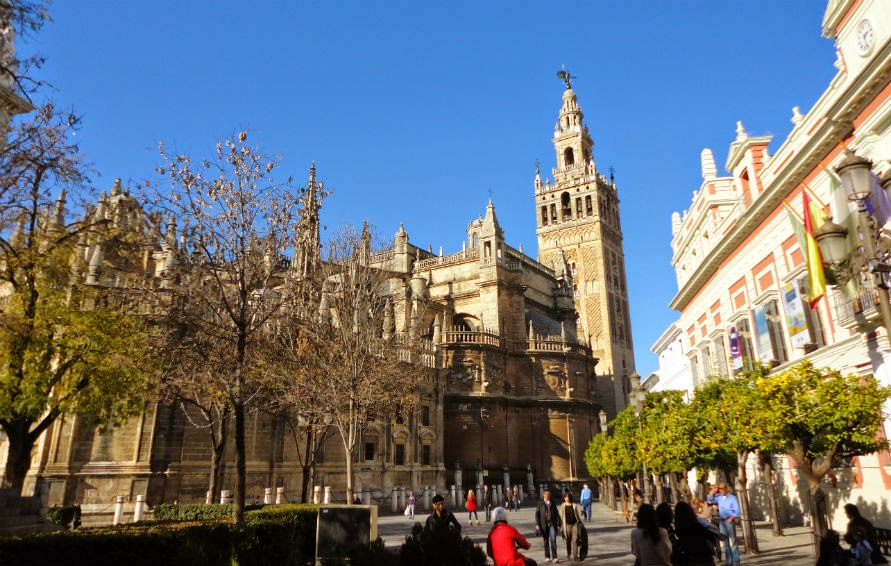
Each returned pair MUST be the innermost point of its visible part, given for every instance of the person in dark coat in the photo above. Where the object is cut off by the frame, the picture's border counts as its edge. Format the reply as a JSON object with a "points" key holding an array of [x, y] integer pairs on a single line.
{"points": [[694, 543], [547, 524], [441, 519]]}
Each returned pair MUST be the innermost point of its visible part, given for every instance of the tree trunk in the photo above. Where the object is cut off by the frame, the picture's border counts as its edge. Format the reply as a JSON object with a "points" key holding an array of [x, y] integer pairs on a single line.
{"points": [[817, 510], [240, 463], [742, 494], [306, 465], [660, 492], [675, 493], [770, 482], [18, 460], [218, 447]]}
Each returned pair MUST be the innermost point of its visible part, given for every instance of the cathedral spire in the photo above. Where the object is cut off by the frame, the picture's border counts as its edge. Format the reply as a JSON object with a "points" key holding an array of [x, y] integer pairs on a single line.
{"points": [[307, 251], [572, 142]]}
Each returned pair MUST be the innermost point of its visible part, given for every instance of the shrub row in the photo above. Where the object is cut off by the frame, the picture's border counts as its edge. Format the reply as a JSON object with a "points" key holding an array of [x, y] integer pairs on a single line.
{"points": [[276, 535], [281, 535]]}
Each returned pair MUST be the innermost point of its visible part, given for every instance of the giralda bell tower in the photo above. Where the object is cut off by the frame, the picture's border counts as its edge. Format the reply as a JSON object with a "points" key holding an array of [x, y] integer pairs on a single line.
{"points": [[578, 213]]}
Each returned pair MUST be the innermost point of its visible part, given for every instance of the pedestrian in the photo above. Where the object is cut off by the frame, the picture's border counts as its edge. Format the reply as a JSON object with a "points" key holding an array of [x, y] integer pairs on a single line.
{"points": [[509, 498], [649, 542], [441, 519], [861, 550], [728, 511], [855, 521], [516, 498], [831, 551], [503, 542], [665, 518], [547, 524], [695, 542], [571, 519], [410, 507], [586, 501], [470, 505]]}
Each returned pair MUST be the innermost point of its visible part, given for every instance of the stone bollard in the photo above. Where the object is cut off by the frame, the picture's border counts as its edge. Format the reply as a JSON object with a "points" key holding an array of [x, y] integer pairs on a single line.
{"points": [[426, 498], [279, 495], [459, 503], [118, 509], [521, 496], [453, 494], [225, 497], [316, 494], [499, 495], [137, 512], [327, 496], [394, 500], [267, 496], [402, 498]]}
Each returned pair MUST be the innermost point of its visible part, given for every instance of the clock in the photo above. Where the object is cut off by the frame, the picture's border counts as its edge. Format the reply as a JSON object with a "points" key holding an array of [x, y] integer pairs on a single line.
{"points": [[865, 37]]}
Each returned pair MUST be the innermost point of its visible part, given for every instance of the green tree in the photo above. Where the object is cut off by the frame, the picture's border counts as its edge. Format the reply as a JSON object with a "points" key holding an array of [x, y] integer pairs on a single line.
{"points": [[820, 418], [730, 432], [665, 440], [61, 350]]}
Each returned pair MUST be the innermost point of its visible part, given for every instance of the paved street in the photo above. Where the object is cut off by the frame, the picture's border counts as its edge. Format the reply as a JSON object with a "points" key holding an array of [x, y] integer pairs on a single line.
{"points": [[610, 538]]}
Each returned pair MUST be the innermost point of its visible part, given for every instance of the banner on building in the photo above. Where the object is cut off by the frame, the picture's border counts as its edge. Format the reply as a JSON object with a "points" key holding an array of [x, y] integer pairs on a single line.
{"points": [[762, 335], [795, 318], [736, 358]]}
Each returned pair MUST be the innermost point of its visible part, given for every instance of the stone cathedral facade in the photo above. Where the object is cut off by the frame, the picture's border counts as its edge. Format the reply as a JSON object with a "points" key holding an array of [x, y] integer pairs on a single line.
{"points": [[524, 356]]}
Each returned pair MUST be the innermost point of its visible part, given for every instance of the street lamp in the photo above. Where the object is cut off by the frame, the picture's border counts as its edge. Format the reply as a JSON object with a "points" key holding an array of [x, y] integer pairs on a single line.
{"points": [[873, 255], [637, 397]]}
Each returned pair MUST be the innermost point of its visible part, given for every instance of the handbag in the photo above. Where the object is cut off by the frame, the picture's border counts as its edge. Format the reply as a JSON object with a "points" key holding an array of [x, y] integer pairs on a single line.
{"points": [[407, 512]]}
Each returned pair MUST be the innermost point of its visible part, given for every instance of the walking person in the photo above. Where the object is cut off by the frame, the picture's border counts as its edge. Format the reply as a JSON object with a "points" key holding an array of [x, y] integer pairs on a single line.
{"points": [[728, 511], [547, 524], [503, 542], [858, 521], [516, 498], [585, 498], [470, 505], [696, 543], [410, 507], [649, 542], [571, 519], [509, 498]]}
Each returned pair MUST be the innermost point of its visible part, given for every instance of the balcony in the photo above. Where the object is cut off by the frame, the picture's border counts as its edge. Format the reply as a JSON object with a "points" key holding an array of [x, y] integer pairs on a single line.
{"points": [[861, 313]]}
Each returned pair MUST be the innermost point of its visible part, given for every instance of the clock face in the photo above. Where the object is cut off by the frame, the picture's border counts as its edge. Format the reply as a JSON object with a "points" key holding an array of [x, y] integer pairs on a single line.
{"points": [[865, 36]]}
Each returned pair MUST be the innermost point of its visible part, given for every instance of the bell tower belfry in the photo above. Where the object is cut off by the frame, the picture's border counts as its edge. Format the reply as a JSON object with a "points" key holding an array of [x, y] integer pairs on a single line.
{"points": [[577, 215]]}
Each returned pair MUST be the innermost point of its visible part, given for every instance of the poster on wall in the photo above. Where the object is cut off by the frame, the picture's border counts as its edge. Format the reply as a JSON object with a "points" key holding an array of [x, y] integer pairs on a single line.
{"points": [[736, 359], [762, 334], [795, 318]]}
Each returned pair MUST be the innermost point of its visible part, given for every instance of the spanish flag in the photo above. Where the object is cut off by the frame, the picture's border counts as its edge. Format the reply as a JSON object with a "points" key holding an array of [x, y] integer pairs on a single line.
{"points": [[816, 279]]}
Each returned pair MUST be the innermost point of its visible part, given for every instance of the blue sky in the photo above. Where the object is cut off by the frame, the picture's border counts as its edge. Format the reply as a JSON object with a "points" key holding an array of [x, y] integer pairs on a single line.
{"points": [[416, 112]]}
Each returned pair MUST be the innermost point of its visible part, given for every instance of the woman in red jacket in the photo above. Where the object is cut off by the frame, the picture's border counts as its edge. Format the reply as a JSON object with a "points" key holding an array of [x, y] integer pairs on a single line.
{"points": [[504, 540], [470, 505]]}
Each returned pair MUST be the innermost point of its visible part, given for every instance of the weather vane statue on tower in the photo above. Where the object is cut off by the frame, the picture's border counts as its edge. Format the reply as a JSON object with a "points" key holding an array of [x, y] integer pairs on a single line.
{"points": [[567, 78]]}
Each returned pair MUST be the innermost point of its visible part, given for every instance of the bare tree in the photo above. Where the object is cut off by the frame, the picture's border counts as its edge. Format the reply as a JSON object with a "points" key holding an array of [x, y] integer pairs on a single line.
{"points": [[345, 363], [228, 276]]}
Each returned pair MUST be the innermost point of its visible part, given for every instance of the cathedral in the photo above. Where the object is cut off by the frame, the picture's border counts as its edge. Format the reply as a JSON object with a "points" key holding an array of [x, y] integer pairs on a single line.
{"points": [[531, 358]]}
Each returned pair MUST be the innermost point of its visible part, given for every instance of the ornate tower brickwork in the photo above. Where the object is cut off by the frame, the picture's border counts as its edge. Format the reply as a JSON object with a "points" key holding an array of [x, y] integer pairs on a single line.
{"points": [[577, 218]]}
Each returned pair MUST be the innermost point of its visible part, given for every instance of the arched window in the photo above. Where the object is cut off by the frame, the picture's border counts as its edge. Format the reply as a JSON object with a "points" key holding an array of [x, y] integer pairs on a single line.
{"points": [[568, 157], [566, 212], [553, 213], [544, 215], [589, 210]]}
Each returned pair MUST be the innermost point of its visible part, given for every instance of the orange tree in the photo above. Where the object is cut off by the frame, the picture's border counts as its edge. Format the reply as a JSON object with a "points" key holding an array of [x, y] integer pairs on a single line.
{"points": [[818, 418], [729, 431], [664, 442]]}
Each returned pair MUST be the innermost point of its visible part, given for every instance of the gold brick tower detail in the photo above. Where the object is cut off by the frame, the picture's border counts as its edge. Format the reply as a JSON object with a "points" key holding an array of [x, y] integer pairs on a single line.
{"points": [[578, 214]]}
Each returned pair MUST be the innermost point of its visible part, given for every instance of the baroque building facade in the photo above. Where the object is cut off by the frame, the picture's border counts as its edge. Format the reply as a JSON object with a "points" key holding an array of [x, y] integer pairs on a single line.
{"points": [[741, 274], [510, 393]]}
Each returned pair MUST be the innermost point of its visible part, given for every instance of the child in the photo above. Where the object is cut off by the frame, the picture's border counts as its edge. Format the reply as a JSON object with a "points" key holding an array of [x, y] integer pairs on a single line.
{"points": [[861, 550]]}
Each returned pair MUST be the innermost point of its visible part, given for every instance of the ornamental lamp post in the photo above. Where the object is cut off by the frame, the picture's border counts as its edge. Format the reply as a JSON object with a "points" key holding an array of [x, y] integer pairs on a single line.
{"points": [[874, 252], [637, 398]]}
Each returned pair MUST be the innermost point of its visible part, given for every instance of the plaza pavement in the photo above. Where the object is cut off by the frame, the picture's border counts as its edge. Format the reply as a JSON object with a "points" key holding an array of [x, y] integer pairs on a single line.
{"points": [[610, 539]]}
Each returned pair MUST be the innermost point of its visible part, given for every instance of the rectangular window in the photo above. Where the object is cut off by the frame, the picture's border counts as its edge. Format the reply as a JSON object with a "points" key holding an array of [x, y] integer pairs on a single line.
{"points": [[554, 213], [720, 358], [745, 343], [777, 337], [544, 215], [369, 451], [578, 208], [589, 209], [399, 457], [425, 415], [425, 454]]}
